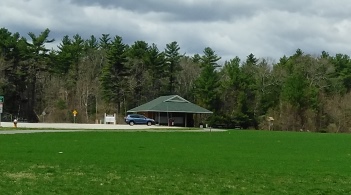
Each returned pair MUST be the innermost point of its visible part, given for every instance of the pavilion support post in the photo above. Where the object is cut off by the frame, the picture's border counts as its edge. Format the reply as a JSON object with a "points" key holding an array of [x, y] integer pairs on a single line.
{"points": [[159, 118]]}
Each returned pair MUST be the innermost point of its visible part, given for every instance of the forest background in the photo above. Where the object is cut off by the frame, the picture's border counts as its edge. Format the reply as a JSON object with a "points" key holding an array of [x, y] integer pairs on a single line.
{"points": [[98, 75]]}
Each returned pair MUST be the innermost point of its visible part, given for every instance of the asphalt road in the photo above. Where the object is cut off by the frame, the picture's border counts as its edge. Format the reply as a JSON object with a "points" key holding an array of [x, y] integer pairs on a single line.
{"points": [[81, 126], [70, 127]]}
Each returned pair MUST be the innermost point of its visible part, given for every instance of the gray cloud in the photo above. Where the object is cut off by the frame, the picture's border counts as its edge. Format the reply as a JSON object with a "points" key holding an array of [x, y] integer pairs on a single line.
{"points": [[266, 28], [185, 10]]}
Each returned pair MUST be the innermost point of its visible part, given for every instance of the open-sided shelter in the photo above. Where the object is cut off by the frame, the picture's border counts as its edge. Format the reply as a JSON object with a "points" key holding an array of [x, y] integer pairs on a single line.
{"points": [[171, 108]]}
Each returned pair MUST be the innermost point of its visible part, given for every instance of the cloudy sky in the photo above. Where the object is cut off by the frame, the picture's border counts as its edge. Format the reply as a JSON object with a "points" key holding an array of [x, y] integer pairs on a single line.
{"points": [[266, 28]]}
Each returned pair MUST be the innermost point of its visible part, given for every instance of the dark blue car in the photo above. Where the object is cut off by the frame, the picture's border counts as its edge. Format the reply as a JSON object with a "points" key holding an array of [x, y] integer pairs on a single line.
{"points": [[132, 119]]}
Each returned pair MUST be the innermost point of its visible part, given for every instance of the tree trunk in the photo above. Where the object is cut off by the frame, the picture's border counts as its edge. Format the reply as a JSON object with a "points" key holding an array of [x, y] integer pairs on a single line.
{"points": [[32, 101]]}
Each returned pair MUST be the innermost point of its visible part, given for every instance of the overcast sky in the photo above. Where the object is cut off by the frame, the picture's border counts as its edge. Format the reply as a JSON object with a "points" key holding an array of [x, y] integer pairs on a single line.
{"points": [[266, 28]]}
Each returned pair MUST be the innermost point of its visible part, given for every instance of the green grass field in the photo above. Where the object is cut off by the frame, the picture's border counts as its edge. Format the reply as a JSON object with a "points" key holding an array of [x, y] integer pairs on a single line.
{"points": [[233, 162]]}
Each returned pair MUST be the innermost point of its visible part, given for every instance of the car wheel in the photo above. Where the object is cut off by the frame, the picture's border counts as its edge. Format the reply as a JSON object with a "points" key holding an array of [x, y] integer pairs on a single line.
{"points": [[131, 123], [148, 123]]}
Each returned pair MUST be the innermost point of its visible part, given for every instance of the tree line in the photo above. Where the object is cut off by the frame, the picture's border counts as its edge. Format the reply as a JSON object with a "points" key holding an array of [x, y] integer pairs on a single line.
{"points": [[105, 75]]}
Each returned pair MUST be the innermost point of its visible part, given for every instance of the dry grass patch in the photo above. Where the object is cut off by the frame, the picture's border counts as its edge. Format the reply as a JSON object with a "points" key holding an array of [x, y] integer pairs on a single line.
{"points": [[21, 175]]}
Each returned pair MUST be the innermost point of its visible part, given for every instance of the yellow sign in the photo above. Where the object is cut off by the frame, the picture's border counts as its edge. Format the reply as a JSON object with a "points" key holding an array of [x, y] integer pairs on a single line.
{"points": [[75, 112]]}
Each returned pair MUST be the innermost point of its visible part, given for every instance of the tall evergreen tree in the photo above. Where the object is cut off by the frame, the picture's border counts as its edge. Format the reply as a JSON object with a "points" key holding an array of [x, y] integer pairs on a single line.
{"points": [[77, 53], [12, 52], [91, 43], [157, 67], [207, 84], [173, 63], [247, 96], [342, 64], [114, 73], [71, 52], [36, 63], [230, 89], [105, 41]]}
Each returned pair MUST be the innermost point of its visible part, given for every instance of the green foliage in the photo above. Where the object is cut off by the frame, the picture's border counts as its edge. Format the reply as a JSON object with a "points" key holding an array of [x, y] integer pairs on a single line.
{"points": [[92, 43], [342, 64], [13, 77], [294, 90], [231, 70], [102, 74], [105, 41], [210, 58], [172, 60], [64, 57], [34, 64], [207, 84], [114, 73], [61, 104], [138, 60], [248, 98], [157, 66]]}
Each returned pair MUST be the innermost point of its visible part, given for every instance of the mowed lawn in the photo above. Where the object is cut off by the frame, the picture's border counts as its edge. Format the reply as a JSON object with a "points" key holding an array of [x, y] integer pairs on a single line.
{"points": [[233, 162]]}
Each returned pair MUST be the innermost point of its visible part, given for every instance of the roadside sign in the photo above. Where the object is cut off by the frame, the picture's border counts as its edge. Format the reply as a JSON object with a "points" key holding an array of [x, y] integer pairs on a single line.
{"points": [[1, 99], [74, 115]]}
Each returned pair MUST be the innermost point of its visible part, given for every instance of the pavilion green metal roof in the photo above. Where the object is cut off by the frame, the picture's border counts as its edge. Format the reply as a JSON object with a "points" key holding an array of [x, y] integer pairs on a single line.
{"points": [[170, 103]]}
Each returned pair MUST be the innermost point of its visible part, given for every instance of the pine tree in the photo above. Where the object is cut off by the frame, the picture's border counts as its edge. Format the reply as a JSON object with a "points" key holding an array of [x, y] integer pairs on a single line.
{"points": [[37, 57], [114, 73], [206, 86], [157, 67], [173, 63]]}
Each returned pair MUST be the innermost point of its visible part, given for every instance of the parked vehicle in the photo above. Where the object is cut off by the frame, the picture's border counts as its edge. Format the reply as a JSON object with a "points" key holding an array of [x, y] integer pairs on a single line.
{"points": [[132, 119]]}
